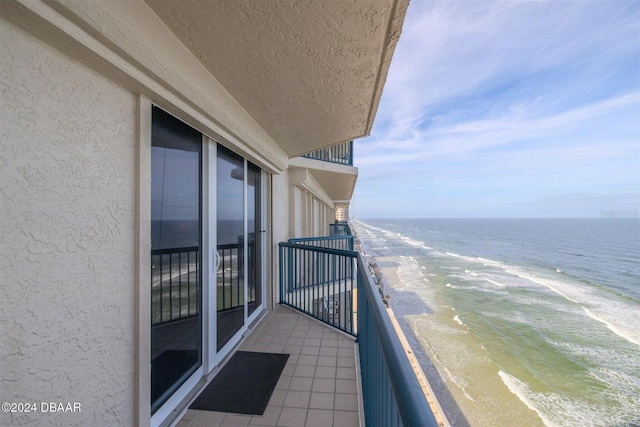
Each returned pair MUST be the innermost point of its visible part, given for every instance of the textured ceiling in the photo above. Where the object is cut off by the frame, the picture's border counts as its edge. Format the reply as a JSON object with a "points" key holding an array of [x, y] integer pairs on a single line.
{"points": [[309, 72]]}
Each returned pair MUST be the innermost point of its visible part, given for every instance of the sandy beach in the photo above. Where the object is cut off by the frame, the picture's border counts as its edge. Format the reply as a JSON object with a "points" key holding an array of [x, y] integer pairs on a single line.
{"points": [[385, 270]]}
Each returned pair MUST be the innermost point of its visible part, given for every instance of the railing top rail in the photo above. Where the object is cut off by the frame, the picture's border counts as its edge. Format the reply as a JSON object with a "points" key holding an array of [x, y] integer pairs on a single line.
{"points": [[412, 403], [351, 254], [165, 251], [322, 238], [341, 153]]}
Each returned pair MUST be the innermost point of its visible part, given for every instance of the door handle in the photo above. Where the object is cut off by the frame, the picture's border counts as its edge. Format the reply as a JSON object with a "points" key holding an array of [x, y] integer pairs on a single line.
{"points": [[217, 260]]}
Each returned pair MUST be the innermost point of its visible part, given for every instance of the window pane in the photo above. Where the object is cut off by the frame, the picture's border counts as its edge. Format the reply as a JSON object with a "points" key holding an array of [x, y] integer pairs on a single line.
{"points": [[176, 338]]}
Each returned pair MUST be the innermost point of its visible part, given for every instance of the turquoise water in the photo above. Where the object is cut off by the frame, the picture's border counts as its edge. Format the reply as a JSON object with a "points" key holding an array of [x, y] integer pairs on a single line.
{"points": [[546, 310]]}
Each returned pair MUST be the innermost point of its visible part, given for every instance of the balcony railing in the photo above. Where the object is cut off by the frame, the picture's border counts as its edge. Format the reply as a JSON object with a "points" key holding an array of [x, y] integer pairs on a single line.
{"points": [[175, 281], [339, 229], [319, 281], [174, 284], [334, 286], [338, 241], [339, 153]]}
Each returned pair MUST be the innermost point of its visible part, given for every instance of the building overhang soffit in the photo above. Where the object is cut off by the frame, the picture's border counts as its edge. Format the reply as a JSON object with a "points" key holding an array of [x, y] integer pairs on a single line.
{"points": [[303, 179], [309, 73], [337, 180]]}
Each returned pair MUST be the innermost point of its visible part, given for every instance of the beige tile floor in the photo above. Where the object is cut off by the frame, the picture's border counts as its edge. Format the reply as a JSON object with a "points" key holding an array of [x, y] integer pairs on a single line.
{"points": [[318, 385]]}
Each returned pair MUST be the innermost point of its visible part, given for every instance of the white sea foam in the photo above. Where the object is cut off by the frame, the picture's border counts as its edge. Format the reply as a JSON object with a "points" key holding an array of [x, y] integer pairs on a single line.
{"points": [[459, 382], [523, 393], [457, 319], [500, 285], [447, 330], [563, 410], [626, 383], [630, 335], [621, 318]]}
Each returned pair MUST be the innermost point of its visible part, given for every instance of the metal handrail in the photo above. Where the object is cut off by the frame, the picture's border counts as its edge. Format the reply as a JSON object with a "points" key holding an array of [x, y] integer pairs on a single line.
{"points": [[339, 229], [175, 284], [392, 393], [176, 281], [340, 153], [314, 279], [412, 406], [343, 242]]}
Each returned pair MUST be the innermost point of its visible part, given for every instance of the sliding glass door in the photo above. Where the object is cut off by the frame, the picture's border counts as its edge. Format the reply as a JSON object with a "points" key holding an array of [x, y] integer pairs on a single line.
{"points": [[176, 224], [239, 243], [230, 286], [206, 272]]}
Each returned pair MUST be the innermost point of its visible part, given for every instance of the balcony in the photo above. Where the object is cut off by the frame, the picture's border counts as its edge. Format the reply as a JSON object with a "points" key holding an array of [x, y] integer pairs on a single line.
{"points": [[318, 386], [347, 365], [339, 153]]}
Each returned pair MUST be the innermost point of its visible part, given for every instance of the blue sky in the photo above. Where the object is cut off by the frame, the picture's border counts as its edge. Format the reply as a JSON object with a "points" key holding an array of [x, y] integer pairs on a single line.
{"points": [[507, 109]]}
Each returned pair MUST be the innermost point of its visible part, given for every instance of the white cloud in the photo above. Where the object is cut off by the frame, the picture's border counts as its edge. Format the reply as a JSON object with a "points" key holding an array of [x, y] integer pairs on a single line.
{"points": [[489, 96]]}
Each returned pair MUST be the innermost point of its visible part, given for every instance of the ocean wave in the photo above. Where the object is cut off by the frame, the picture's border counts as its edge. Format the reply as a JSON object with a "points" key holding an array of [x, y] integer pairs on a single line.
{"points": [[493, 282], [560, 410], [622, 361], [447, 330], [621, 317], [522, 392], [457, 319], [626, 383], [631, 335], [460, 383], [476, 288]]}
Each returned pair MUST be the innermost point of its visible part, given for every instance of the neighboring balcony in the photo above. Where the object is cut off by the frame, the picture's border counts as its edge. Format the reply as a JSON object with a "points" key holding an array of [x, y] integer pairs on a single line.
{"points": [[339, 153], [329, 169]]}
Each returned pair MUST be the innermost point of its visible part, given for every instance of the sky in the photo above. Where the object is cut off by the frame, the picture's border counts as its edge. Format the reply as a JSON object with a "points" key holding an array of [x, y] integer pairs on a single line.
{"points": [[507, 109]]}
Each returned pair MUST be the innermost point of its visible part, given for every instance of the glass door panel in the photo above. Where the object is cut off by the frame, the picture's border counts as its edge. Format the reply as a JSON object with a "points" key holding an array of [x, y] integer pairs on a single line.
{"points": [[176, 224], [254, 238], [230, 287]]}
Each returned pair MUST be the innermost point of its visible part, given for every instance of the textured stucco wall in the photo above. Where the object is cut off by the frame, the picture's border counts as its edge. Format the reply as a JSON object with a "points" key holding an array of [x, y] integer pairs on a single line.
{"points": [[279, 224], [67, 206]]}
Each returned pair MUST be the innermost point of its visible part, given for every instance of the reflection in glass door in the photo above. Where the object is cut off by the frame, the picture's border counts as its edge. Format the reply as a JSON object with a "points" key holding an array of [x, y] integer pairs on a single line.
{"points": [[230, 289], [176, 224]]}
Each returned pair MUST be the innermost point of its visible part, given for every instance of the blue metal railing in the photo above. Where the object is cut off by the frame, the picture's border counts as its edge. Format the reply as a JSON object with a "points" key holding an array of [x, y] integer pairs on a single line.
{"points": [[320, 282], [343, 241], [175, 281], [391, 391], [392, 394], [339, 229], [340, 153]]}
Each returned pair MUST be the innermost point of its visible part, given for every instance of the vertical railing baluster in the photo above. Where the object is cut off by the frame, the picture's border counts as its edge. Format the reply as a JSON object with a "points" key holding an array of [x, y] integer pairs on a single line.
{"points": [[179, 297], [170, 286], [198, 283]]}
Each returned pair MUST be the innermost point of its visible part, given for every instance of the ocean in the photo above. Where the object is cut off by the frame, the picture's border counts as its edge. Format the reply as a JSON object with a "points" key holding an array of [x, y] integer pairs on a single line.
{"points": [[519, 322]]}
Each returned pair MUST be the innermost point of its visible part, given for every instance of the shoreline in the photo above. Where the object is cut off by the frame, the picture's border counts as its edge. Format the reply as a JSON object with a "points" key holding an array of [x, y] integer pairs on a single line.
{"points": [[459, 414], [460, 407], [442, 402]]}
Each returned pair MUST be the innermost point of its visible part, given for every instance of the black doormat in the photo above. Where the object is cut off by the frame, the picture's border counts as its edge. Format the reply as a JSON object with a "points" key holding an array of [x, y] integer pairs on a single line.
{"points": [[168, 368], [244, 385]]}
